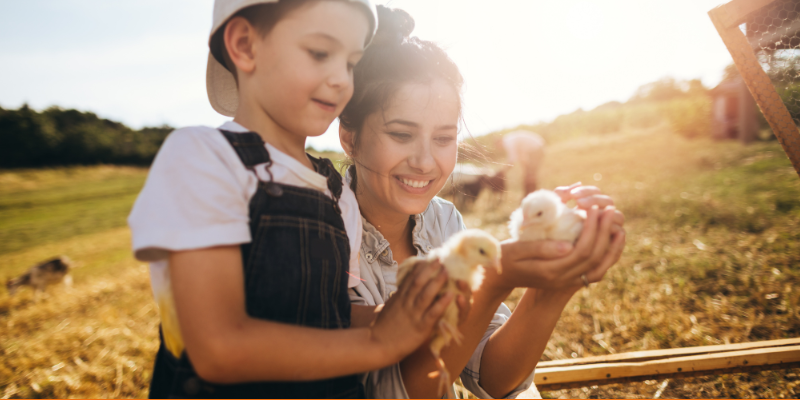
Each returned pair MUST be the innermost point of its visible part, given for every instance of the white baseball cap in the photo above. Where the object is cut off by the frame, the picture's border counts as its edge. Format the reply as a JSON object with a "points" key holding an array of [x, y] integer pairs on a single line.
{"points": [[220, 83]]}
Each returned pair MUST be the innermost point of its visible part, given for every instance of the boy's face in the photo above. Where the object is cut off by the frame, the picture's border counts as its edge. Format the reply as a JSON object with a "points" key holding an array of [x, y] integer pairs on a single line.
{"points": [[304, 67]]}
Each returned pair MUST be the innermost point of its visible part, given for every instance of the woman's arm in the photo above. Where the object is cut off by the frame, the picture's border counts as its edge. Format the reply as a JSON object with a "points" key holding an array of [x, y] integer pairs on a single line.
{"points": [[523, 338], [590, 253], [227, 346]]}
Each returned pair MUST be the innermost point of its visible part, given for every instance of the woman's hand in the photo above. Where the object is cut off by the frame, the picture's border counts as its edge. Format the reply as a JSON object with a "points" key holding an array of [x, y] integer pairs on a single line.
{"points": [[408, 317], [554, 265], [587, 196]]}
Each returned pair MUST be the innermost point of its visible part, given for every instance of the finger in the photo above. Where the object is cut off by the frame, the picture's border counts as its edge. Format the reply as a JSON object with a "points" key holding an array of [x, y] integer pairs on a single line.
{"points": [[611, 258], [423, 272], [600, 200], [585, 245], [464, 307], [584, 191], [429, 292], [619, 218], [603, 236], [564, 191], [516, 250], [464, 287], [435, 312]]}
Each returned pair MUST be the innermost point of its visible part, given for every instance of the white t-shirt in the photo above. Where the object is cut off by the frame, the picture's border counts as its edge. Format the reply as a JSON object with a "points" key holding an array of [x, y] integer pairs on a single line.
{"points": [[197, 195]]}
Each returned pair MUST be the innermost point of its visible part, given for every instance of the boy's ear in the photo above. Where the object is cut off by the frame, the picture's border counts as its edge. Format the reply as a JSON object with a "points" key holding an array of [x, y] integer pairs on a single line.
{"points": [[240, 37], [346, 140]]}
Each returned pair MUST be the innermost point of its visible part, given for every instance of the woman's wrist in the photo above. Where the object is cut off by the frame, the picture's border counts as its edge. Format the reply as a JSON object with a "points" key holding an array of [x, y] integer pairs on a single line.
{"points": [[493, 287]]}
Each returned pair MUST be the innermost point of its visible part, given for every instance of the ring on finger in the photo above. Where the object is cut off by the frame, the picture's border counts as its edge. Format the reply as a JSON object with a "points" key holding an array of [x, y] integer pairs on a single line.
{"points": [[585, 280]]}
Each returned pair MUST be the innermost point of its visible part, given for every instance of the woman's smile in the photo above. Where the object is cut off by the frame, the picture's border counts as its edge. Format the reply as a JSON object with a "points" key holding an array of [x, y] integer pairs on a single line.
{"points": [[414, 186]]}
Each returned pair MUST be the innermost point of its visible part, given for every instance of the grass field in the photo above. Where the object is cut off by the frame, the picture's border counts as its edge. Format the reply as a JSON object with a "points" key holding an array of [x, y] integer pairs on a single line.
{"points": [[713, 256]]}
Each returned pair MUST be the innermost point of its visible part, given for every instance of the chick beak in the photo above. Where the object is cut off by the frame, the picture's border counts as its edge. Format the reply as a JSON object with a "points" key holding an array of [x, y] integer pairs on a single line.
{"points": [[497, 265]]}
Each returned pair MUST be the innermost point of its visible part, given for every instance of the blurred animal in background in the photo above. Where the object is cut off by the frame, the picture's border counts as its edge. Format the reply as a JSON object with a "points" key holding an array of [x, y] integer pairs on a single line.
{"points": [[462, 256], [41, 275], [468, 181], [526, 149], [543, 215]]}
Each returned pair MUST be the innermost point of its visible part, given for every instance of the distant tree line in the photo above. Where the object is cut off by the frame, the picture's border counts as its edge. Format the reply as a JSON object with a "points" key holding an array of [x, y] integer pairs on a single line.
{"points": [[57, 136]]}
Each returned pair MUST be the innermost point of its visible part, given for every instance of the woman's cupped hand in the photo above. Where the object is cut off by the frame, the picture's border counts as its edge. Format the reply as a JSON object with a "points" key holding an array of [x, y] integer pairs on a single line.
{"points": [[548, 264]]}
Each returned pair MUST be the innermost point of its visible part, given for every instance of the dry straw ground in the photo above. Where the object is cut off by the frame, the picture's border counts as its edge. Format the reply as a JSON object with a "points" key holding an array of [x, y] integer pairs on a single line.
{"points": [[713, 257]]}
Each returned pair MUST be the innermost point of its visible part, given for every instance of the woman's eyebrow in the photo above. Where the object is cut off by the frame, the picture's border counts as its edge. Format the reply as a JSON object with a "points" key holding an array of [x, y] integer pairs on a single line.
{"points": [[403, 122], [445, 127]]}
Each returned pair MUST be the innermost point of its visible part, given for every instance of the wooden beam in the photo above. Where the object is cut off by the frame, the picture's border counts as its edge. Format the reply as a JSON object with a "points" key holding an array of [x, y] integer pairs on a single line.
{"points": [[742, 360], [734, 13], [756, 79], [646, 355]]}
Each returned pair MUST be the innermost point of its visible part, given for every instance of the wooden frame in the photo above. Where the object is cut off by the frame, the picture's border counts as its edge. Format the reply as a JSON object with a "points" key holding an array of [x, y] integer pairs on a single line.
{"points": [[703, 360], [726, 19], [670, 363]]}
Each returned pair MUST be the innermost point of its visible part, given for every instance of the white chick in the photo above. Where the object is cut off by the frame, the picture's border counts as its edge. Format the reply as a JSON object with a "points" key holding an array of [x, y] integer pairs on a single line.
{"points": [[542, 215], [462, 256]]}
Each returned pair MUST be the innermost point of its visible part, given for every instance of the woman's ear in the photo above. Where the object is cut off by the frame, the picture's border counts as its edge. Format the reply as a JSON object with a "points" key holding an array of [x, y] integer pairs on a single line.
{"points": [[346, 139], [240, 37]]}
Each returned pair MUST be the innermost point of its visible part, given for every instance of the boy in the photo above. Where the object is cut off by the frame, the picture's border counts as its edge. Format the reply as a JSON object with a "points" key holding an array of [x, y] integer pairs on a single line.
{"points": [[251, 241]]}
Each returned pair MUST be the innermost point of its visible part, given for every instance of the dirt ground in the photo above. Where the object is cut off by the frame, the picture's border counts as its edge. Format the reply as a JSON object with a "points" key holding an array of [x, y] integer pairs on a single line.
{"points": [[98, 337]]}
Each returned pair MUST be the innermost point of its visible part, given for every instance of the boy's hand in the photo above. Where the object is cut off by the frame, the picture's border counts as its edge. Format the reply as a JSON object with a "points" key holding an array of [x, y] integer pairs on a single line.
{"points": [[463, 300], [408, 317]]}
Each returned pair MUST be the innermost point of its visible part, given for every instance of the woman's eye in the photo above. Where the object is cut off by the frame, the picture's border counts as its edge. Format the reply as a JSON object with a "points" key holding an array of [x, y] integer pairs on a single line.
{"points": [[445, 139], [401, 136], [318, 55]]}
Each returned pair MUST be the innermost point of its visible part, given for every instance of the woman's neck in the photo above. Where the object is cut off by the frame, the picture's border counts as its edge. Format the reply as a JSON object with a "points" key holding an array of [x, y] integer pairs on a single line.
{"points": [[292, 145], [395, 227]]}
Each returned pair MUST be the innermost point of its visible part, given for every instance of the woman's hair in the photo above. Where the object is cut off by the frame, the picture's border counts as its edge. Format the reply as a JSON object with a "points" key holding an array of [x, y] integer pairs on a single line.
{"points": [[392, 60]]}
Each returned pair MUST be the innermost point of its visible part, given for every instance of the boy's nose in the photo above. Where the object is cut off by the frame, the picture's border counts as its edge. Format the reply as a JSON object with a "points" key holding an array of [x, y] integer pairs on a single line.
{"points": [[340, 77]]}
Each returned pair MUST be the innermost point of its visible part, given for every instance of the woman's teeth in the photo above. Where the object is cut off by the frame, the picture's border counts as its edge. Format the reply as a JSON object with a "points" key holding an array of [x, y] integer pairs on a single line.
{"points": [[415, 184]]}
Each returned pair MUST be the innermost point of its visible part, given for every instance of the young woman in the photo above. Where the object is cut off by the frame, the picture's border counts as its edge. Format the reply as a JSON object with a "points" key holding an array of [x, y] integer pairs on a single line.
{"points": [[400, 129]]}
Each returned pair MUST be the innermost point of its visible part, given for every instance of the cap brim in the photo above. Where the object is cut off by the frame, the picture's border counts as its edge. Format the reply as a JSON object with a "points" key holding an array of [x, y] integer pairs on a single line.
{"points": [[221, 88]]}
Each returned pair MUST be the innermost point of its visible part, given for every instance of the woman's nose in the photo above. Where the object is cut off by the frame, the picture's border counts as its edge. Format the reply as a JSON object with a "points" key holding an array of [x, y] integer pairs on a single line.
{"points": [[422, 160]]}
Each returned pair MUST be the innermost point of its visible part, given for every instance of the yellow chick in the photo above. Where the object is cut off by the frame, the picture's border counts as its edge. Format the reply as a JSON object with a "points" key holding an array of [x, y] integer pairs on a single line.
{"points": [[462, 256], [542, 215]]}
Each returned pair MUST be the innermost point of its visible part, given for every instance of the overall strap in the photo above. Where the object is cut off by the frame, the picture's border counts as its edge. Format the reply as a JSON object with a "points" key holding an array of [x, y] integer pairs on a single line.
{"points": [[325, 168], [249, 147]]}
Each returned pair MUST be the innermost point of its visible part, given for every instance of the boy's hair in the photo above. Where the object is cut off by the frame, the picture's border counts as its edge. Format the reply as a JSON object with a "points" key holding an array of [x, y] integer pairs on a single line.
{"points": [[262, 17], [392, 60]]}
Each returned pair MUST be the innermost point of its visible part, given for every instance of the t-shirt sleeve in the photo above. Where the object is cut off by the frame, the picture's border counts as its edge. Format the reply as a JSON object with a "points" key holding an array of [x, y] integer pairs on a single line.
{"points": [[196, 196]]}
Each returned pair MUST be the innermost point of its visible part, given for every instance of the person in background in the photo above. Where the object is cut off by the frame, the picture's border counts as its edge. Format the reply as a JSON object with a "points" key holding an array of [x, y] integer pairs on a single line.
{"points": [[526, 149]]}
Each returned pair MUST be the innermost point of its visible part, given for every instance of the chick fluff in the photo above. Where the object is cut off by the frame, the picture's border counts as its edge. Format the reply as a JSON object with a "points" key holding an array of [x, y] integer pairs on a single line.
{"points": [[542, 215], [462, 256]]}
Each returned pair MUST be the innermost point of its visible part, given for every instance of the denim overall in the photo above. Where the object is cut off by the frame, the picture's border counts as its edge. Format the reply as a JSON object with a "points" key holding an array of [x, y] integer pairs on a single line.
{"points": [[295, 271]]}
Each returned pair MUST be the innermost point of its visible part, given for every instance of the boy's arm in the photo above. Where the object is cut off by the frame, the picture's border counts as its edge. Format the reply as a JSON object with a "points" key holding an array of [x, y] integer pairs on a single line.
{"points": [[227, 346], [362, 316]]}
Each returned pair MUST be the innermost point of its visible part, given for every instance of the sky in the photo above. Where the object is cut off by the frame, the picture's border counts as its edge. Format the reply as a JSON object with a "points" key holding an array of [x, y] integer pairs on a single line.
{"points": [[143, 62]]}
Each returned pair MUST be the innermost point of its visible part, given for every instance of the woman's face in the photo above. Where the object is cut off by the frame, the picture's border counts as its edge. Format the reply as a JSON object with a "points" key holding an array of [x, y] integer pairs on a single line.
{"points": [[406, 151]]}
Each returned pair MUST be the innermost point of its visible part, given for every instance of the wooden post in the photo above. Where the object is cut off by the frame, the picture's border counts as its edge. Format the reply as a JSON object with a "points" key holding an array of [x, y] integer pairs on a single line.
{"points": [[726, 19]]}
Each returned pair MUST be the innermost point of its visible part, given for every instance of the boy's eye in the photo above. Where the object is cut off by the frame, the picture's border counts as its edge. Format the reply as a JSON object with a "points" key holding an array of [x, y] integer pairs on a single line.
{"points": [[318, 55]]}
